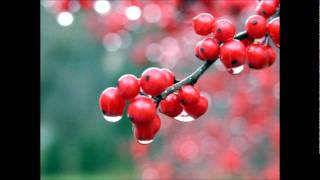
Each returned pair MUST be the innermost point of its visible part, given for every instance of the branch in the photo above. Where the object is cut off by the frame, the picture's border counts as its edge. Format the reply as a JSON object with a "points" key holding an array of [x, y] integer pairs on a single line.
{"points": [[193, 78]]}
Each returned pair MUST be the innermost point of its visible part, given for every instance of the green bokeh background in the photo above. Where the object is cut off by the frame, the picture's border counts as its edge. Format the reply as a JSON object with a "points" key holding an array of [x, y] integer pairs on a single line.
{"points": [[76, 142]]}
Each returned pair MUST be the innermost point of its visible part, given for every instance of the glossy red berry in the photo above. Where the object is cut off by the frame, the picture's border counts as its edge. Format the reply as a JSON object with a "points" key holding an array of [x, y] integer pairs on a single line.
{"points": [[197, 51], [170, 106], [233, 53], [209, 49], [111, 103], [266, 8], [223, 30], [188, 94], [141, 110], [271, 54], [152, 81], [274, 30], [198, 109], [256, 26], [148, 131], [202, 23], [128, 86], [169, 76], [257, 56]]}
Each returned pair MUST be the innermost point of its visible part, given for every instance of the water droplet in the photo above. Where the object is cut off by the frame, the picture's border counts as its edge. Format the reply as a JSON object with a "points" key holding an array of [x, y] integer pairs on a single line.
{"points": [[112, 118], [145, 141], [236, 70], [184, 117]]}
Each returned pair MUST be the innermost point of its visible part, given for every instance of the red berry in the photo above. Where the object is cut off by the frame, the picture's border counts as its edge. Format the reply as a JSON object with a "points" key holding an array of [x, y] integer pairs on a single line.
{"points": [[276, 2], [198, 109], [170, 106], [233, 53], [152, 81], [147, 132], [141, 110], [111, 103], [266, 8], [247, 41], [274, 30], [169, 76], [257, 56], [223, 30], [128, 86], [197, 52], [188, 94], [272, 55], [209, 49], [256, 26], [202, 23]]}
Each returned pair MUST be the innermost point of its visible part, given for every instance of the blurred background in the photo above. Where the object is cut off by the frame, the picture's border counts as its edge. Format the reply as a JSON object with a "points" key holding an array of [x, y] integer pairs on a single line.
{"points": [[86, 45]]}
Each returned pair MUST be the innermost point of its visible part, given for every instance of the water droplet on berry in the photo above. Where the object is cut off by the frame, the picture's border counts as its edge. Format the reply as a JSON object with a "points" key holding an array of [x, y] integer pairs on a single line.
{"points": [[112, 118], [184, 117], [236, 70], [144, 142]]}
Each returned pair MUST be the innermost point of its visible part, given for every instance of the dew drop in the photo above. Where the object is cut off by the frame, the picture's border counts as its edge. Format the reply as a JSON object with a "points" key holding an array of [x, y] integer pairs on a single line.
{"points": [[144, 142], [112, 118], [236, 70], [184, 117]]}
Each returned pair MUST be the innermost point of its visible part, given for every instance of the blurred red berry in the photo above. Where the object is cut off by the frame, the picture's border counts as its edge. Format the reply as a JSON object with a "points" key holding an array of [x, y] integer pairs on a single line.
{"points": [[233, 53], [257, 56], [231, 160], [141, 110], [223, 29], [188, 95], [255, 26], [152, 81], [86, 4], [202, 23], [274, 30], [170, 106], [198, 109], [209, 49], [111, 103], [266, 8], [128, 86], [62, 5]]}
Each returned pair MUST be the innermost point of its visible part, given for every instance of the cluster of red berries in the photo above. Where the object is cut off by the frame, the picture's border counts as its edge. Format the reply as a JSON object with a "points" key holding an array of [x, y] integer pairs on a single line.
{"points": [[186, 103], [234, 53], [142, 108]]}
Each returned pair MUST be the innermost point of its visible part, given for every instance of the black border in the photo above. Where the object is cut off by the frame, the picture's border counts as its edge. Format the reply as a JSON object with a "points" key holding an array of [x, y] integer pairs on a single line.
{"points": [[299, 89], [21, 99]]}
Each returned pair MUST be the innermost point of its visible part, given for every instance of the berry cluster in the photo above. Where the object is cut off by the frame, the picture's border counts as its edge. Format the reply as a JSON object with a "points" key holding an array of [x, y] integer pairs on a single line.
{"points": [[180, 99], [233, 53], [142, 108]]}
